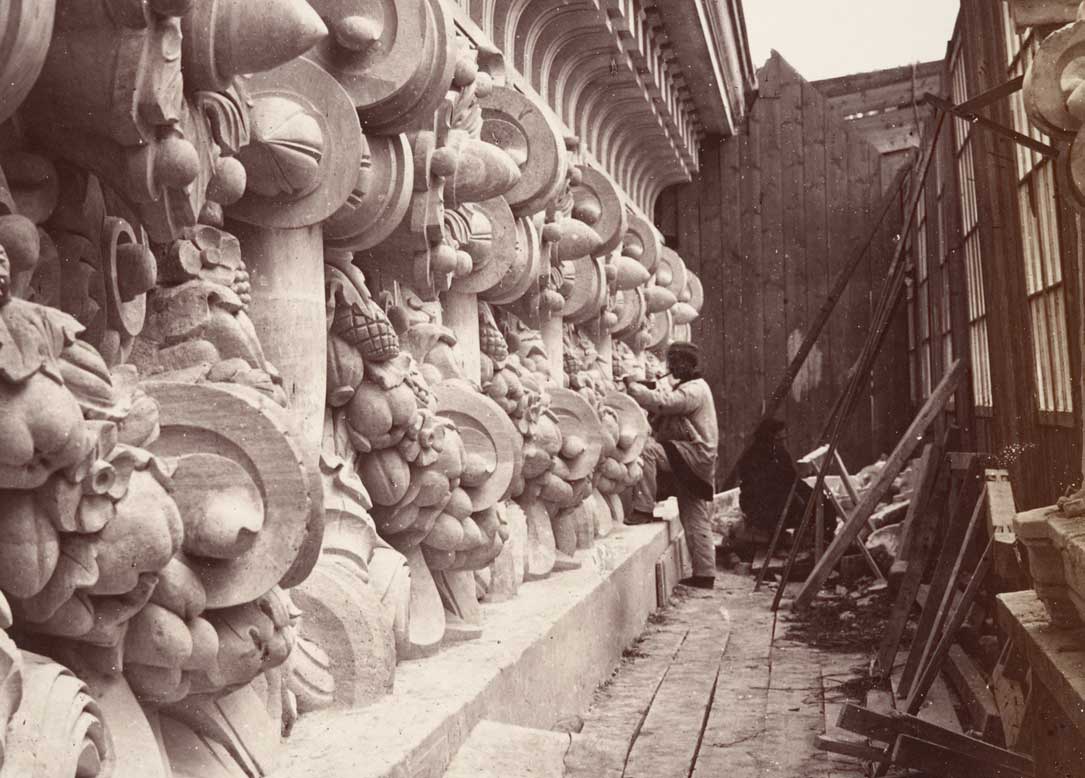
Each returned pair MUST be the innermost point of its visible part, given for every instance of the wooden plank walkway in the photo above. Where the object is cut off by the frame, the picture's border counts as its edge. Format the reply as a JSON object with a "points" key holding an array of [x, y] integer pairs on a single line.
{"points": [[713, 690]]}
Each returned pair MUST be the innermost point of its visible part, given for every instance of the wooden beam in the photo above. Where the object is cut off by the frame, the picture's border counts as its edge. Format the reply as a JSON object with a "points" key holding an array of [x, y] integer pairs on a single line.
{"points": [[887, 96], [1038, 13], [834, 88], [905, 447], [933, 487], [968, 682], [934, 759], [887, 727], [982, 121], [854, 750], [991, 95]]}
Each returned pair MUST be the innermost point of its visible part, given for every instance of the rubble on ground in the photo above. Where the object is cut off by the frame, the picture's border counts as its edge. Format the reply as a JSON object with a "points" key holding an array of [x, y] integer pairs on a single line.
{"points": [[843, 620], [882, 536]]}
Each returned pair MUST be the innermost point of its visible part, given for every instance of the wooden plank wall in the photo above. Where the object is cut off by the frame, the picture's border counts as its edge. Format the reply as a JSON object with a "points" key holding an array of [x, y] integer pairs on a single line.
{"points": [[775, 213]]}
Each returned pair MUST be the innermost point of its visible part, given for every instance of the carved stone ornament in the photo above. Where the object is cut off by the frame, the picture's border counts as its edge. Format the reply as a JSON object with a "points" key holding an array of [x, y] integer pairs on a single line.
{"points": [[223, 39], [246, 497], [582, 439], [597, 202], [584, 290], [671, 273], [26, 27], [490, 235], [531, 136], [395, 58], [660, 331], [633, 428], [128, 117], [1054, 98], [306, 150], [642, 243], [631, 309], [492, 444], [380, 197], [524, 269]]}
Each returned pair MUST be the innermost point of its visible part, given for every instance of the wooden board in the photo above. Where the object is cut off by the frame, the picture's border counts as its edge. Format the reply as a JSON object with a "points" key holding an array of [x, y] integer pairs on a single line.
{"points": [[887, 728], [815, 239], [795, 193], [858, 443], [971, 687], [943, 584], [737, 409], [939, 760], [774, 275], [792, 173], [670, 736], [925, 535], [933, 665]]}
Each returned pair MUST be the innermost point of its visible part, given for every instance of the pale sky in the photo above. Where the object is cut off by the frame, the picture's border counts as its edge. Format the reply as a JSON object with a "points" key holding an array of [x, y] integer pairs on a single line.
{"points": [[827, 38]]}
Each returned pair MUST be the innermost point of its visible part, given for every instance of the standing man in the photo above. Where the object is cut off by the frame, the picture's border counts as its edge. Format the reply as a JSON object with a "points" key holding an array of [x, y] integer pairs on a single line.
{"points": [[685, 438]]}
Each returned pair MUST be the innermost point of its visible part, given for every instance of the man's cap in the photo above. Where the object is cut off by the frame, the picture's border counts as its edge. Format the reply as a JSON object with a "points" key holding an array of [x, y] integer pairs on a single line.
{"points": [[684, 349]]}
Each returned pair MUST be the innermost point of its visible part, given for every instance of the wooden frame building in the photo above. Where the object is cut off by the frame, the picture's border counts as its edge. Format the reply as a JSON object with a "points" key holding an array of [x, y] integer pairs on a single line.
{"points": [[993, 266]]}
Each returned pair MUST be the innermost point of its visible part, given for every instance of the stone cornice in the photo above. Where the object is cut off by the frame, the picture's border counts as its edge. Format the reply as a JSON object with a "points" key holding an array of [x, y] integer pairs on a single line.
{"points": [[613, 74]]}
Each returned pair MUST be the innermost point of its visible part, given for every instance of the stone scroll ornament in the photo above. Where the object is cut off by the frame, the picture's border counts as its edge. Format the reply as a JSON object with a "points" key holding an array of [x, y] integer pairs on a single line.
{"points": [[1055, 102]]}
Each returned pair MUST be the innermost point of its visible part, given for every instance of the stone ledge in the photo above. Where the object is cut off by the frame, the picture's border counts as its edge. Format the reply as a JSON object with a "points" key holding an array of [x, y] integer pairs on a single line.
{"points": [[540, 658], [1055, 654]]}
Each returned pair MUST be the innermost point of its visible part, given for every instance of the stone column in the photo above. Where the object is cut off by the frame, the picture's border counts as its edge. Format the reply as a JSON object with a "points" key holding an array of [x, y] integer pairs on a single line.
{"points": [[288, 311], [553, 339], [604, 345], [460, 314]]}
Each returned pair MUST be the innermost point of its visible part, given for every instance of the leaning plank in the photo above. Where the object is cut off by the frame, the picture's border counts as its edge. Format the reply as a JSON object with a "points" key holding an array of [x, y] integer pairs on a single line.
{"points": [[886, 728], [971, 687], [924, 530], [928, 467], [948, 636], [847, 748], [961, 489], [930, 629], [905, 447], [939, 760]]}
